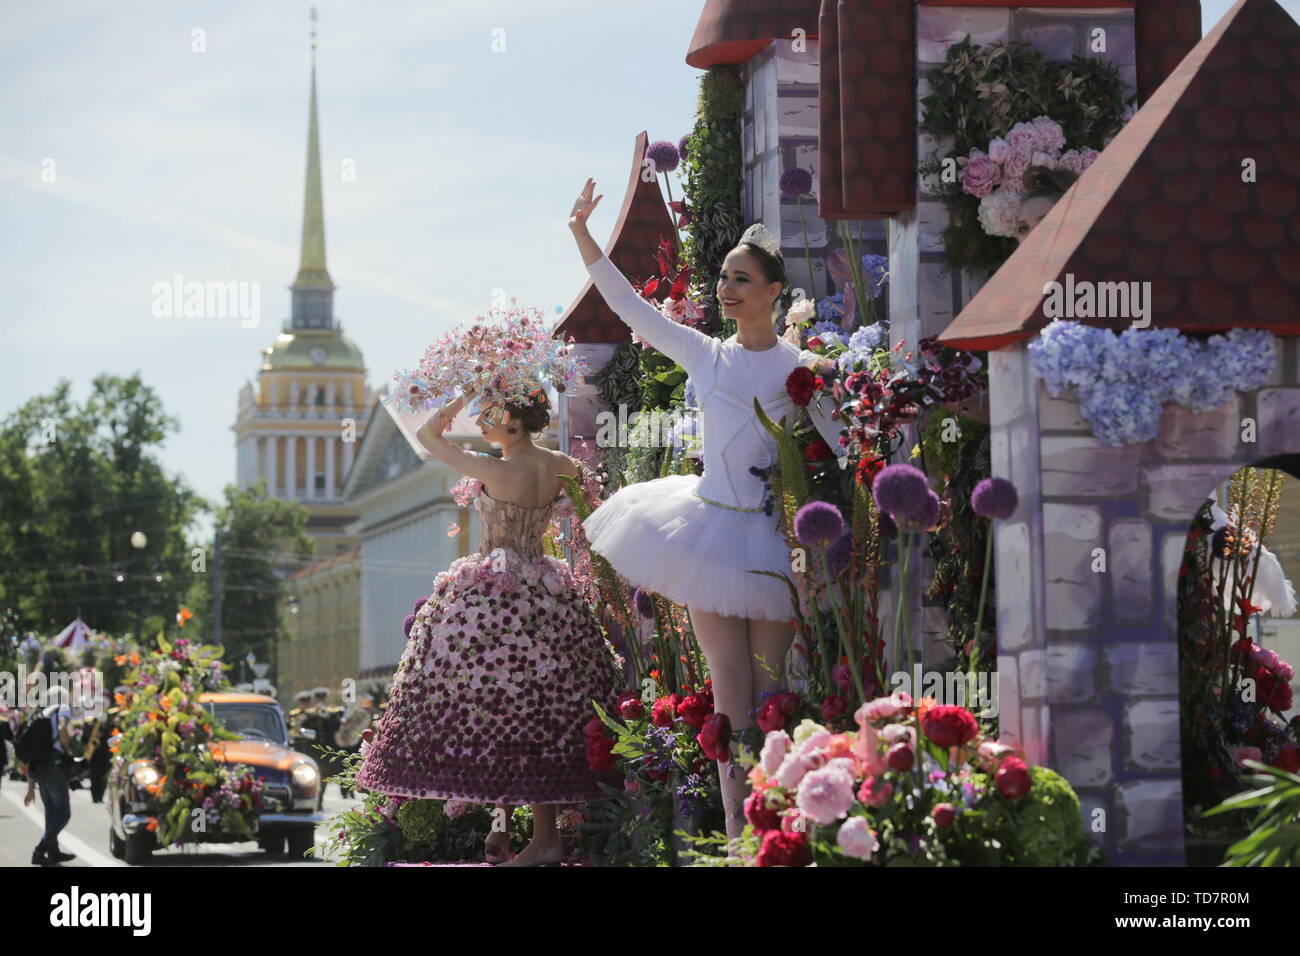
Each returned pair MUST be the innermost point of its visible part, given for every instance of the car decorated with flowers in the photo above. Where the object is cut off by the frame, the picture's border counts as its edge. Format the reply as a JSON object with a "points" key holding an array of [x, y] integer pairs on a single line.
{"points": [[268, 788]]}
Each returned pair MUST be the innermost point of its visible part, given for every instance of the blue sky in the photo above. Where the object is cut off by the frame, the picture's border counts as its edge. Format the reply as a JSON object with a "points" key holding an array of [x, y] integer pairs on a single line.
{"points": [[168, 161]]}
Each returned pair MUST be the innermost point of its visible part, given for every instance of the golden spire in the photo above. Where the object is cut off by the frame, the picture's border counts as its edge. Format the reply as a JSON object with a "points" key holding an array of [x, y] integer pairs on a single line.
{"points": [[312, 273]]}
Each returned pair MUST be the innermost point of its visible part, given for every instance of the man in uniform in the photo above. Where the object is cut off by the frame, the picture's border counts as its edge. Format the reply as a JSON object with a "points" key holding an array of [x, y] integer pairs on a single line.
{"points": [[297, 718], [325, 721]]}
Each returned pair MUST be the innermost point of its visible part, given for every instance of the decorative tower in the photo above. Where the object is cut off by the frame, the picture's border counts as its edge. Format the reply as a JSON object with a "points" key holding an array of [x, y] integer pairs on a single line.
{"points": [[299, 426]]}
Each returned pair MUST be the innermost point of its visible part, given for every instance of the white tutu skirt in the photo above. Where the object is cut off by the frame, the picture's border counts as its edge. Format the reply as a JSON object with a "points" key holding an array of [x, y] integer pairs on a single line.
{"points": [[662, 538]]}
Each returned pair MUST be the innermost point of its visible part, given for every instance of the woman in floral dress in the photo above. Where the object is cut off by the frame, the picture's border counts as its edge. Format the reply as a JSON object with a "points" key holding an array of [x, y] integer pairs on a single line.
{"points": [[505, 657]]}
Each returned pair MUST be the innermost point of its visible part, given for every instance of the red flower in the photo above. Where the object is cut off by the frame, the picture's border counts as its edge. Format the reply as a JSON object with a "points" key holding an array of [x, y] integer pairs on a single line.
{"points": [[665, 710], [1274, 693], [868, 468], [760, 814], [714, 737], [770, 717], [593, 728], [694, 709], [818, 451], [1288, 758], [1012, 778], [784, 849], [949, 726], [833, 706], [800, 385], [900, 757], [600, 754], [629, 706], [944, 814]]}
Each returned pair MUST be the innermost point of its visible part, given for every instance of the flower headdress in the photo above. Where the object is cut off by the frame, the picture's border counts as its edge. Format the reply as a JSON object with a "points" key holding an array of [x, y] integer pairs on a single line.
{"points": [[502, 363], [759, 236]]}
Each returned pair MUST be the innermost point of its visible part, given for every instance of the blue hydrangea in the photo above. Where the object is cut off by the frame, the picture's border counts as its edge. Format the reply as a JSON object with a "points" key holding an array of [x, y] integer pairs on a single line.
{"points": [[867, 339], [688, 393], [877, 271], [1123, 381], [831, 306]]}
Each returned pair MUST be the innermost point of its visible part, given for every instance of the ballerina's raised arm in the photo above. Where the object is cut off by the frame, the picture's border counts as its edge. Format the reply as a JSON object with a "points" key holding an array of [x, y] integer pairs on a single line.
{"points": [[681, 343]]}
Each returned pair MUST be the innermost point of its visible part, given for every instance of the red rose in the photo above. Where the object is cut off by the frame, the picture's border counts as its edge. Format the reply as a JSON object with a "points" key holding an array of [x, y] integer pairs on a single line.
{"points": [[665, 710], [800, 385], [629, 706], [1274, 693], [694, 709], [833, 706], [900, 757], [770, 717], [1012, 778], [944, 814], [714, 737], [1288, 758], [784, 849], [600, 754], [818, 451], [760, 814], [594, 728], [949, 726]]}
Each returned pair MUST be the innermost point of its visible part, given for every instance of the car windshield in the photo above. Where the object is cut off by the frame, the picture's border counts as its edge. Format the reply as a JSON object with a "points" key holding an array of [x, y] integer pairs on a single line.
{"points": [[250, 721]]}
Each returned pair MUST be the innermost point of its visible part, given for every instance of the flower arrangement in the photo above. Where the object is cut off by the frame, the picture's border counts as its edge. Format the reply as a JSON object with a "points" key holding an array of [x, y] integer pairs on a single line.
{"points": [[1125, 380], [503, 356], [995, 176], [916, 784], [161, 720], [977, 100]]}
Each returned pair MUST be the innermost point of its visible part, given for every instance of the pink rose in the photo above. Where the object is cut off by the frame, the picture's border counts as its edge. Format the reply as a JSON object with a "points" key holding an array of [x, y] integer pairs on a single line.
{"points": [[775, 747], [875, 792], [1242, 754], [856, 839]]}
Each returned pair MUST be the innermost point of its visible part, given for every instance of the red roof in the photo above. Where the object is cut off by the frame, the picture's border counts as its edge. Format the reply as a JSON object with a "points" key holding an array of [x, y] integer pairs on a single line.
{"points": [[634, 242], [1165, 202], [731, 31]]}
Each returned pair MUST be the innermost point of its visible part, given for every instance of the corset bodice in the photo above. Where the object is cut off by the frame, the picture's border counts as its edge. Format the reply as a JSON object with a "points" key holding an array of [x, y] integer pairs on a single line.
{"points": [[517, 527]]}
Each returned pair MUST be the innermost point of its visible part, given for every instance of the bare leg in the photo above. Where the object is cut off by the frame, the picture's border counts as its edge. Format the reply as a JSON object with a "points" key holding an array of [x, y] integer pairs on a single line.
{"points": [[546, 836], [725, 643], [769, 642]]}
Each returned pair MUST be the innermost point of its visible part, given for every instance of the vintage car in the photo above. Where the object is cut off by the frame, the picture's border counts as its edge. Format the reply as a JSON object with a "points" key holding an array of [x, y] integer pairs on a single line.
{"points": [[289, 796]]}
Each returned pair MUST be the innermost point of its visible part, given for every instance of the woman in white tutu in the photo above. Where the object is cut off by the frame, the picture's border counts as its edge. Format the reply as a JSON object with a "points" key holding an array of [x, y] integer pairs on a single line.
{"points": [[694, 539]]}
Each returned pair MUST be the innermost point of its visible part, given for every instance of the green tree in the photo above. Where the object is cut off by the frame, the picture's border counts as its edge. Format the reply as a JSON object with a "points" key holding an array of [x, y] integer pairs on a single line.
{"points": [[76, 484], [262, 540]]}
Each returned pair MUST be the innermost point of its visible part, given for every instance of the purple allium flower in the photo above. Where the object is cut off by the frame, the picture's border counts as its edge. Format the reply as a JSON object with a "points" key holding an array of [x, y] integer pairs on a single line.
{"points": [[664, 155], [994, 498], [795, 181], [837, 556], [407, 624], [419, 603], [644, 605], [818, 523], [900, 490], [682, 146], [926, 518]]}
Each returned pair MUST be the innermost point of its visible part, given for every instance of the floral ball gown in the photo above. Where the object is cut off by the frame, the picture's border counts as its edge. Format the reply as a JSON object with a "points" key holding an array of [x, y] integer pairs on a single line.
{"points": [[496, 683]]}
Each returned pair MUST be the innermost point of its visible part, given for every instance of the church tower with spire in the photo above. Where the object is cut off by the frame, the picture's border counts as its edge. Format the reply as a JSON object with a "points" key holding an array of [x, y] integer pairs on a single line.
{"points": [[299, 425]]}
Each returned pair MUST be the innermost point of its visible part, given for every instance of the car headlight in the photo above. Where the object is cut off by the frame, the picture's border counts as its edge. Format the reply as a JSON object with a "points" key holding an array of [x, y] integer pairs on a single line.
{"points": [[304, 774], [144, 774]]}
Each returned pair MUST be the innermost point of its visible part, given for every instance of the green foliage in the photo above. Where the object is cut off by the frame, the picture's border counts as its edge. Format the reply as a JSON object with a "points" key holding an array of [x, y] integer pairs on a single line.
{"points": [[258, 534], [713, 172], [76, 482], [1274, 839]]}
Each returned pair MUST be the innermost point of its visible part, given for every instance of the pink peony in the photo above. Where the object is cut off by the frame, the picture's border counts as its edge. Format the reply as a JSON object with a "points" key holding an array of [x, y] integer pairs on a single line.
{"points": [[1071, 160], [883, 707], [792, 770], [1048, 135], [898, 733], [999, 150], [1023, 136], [826, 795], [981, 175], [1087, 157], [775, 747], [856, 839], [455, 807], [1013, 169]]}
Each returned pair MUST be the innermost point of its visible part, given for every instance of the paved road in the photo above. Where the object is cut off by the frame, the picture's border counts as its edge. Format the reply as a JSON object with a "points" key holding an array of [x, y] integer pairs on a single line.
{"points": [[87, 835]]}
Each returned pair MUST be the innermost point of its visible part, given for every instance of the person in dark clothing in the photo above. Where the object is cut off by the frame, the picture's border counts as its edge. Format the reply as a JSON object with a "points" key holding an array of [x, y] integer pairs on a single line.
{"points": [[51, 776], [6, 736]]}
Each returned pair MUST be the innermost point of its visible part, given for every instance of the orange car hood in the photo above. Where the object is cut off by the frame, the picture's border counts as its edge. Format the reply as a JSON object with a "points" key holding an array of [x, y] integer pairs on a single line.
{"points": [[255, 753]]}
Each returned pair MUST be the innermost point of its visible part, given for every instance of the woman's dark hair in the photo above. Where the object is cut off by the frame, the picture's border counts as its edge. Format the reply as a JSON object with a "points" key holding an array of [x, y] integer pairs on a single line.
{"points": [[533, 417], [773, 266], [1043, 182]]}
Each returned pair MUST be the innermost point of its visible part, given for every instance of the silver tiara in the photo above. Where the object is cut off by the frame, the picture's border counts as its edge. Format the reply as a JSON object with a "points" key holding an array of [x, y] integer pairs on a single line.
{"points": [[758, 234]]}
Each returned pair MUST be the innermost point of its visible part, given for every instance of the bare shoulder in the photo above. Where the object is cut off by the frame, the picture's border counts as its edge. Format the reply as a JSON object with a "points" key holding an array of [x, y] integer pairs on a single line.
{"points": [[564, 464]]}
